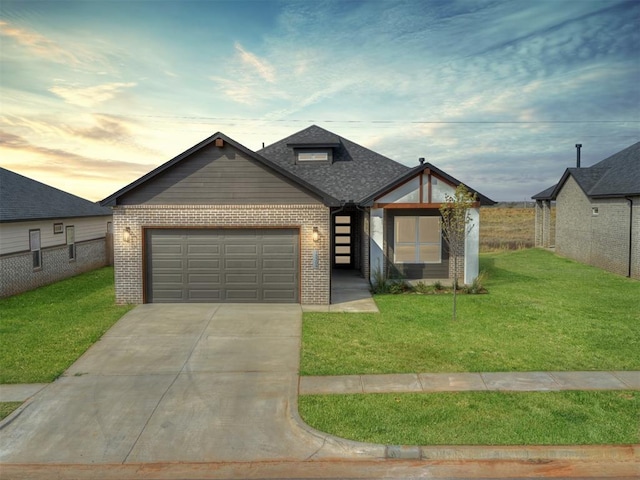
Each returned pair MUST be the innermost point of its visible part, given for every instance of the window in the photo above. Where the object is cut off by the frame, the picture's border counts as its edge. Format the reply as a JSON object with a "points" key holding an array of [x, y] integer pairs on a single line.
{"points": [[57, 228], [34, 246], [594, 211], [71, 242], [322, 155], [417, 240]]}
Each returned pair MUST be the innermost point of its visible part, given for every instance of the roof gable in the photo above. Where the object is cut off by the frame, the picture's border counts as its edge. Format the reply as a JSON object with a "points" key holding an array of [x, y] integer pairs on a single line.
{"points": [[402, 179], [130, 192], [615, 176], [22, 198]]}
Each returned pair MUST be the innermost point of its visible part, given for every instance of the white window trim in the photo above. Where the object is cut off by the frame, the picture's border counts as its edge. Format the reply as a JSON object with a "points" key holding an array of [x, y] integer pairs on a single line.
{"points": [[326, 153], [71, 245], [35, 246]]}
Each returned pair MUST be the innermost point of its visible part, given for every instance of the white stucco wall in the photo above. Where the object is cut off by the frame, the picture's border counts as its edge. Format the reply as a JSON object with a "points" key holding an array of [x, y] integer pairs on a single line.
{"points": [[376, 253], [472, 248], [407, 193]]}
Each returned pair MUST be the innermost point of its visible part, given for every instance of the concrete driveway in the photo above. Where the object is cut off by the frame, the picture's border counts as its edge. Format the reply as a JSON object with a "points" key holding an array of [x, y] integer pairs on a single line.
{"points": [[169, 383]]}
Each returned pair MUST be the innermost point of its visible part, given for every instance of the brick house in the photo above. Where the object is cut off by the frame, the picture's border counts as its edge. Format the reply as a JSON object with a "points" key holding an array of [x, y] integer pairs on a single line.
{"points": [[47, 234], [597, 213], [222, 223]]}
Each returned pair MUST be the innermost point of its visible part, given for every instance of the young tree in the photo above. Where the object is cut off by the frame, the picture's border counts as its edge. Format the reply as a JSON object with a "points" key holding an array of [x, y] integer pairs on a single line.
{"points": [[456, 225]]}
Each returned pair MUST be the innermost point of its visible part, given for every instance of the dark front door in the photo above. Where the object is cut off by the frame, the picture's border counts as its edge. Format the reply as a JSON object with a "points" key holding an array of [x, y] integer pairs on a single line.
{"points": [[343, 235]]}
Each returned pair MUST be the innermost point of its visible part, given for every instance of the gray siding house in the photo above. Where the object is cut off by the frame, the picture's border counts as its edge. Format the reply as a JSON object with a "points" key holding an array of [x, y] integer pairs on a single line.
{"points": [[597, 213], [46, 234], [222, 223]]}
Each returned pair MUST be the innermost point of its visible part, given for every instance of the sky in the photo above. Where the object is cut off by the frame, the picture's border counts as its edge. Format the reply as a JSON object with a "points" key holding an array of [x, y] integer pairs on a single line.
{"points": [[94, 94]]}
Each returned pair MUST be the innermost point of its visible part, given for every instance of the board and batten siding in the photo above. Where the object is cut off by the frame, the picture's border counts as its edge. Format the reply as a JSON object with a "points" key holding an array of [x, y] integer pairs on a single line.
{"points": [[218, 176], [14, 236]]}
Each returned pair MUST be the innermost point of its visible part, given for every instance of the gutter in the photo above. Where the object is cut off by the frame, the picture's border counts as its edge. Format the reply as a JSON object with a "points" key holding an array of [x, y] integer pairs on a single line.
{"points": [[630, 200]]}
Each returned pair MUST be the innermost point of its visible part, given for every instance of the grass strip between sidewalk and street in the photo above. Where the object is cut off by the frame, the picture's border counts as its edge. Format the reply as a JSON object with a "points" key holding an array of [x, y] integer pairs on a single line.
{"points": [[542, 313], [45, 330], [478, 418]]}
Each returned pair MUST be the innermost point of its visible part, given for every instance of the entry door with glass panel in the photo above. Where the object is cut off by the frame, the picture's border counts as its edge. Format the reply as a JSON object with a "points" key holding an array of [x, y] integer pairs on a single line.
{"points": [[342, 241]]}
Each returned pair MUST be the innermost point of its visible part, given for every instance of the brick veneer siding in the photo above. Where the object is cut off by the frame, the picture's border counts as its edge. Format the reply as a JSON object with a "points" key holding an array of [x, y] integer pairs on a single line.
{"points": [[543, 224], [573, 222], [128, 257], [366, 242], [600, 240], [635, 251], [17, 274]]}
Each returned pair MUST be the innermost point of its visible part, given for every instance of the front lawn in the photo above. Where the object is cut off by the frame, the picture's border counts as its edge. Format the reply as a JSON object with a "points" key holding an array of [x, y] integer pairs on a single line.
{"points": [[542, 313], [478, 418], [45, 330]]}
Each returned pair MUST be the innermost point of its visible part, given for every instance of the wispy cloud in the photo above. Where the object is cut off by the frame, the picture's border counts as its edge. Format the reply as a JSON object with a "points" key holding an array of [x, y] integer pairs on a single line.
{"points": [[90, 96], [38, 44], [65, 162], [107, 128], [262, 67]]}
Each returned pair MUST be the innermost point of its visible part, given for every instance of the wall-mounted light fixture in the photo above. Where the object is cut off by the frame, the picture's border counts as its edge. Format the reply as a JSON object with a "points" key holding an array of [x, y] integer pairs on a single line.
{"points": [[316, 235], [126, 235]]}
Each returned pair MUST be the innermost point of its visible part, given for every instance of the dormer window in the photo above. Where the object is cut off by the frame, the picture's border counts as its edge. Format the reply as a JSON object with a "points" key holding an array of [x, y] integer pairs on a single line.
{"points": [[322, 155], [313, 156]]}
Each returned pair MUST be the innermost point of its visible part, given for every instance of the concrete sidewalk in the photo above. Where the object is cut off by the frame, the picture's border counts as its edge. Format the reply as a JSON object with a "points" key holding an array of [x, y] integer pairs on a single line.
{"points": [[428, 382], [464, 382]]}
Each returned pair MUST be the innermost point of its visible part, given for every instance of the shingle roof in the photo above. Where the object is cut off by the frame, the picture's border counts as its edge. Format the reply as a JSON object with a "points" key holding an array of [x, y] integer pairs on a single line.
{"points": [[355, 173], [620, 174], [545, 194], [615, 176], [22, 198]]}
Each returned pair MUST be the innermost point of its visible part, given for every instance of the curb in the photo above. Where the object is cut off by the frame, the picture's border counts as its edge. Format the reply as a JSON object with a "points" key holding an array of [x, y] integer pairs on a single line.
{"points": [[528, 453]]}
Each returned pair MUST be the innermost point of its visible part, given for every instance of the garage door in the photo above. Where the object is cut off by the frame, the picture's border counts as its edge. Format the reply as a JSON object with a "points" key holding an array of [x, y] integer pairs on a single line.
{"points": [[222, 265]]}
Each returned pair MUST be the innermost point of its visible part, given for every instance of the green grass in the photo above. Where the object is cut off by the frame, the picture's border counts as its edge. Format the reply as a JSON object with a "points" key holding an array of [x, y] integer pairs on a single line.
{"points": [[45, 330], [486, 418], [542, 313], [7, 407]]}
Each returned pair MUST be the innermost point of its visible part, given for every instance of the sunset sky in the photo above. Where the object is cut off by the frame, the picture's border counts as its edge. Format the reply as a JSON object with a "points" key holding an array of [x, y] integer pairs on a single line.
{"points": [[93, 94]]}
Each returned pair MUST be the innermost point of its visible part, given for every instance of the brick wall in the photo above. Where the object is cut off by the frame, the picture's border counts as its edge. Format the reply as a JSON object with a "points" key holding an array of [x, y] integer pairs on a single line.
{"points": [[366, 242], [610, 236], [601, 239], [17, 274], [543, 224], [128, 257], [573, 223], [635, 251]]}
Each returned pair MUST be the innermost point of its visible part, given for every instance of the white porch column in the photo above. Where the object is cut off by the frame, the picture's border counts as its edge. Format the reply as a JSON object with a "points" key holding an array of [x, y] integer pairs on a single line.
{"points": [[376, 252], [472, 248]]}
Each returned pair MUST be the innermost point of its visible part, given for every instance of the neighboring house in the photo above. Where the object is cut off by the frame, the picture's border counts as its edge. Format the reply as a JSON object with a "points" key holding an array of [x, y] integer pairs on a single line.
{"points": [[597, 213], [222, 223], [46, 234]]}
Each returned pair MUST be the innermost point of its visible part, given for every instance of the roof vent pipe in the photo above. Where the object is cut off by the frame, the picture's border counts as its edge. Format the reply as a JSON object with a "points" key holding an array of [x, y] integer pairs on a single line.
{"points": [[578, 147], [421, 160]]}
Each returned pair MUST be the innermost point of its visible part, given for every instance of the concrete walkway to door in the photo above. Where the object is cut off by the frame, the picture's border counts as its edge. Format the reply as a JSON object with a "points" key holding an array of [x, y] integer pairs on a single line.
{"points": [[177, 383]]}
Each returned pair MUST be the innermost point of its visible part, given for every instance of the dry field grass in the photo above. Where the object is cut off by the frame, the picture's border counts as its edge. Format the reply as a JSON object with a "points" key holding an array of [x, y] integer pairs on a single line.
{"points": [[508, 228]]}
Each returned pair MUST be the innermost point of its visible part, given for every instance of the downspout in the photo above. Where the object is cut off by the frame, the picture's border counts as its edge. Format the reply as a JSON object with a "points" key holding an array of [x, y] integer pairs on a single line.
{"points": [[630, 200]]}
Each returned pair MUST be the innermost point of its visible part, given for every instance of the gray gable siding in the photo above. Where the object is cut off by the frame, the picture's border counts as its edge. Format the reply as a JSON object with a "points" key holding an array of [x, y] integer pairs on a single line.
{"points": [[218, 176]]}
